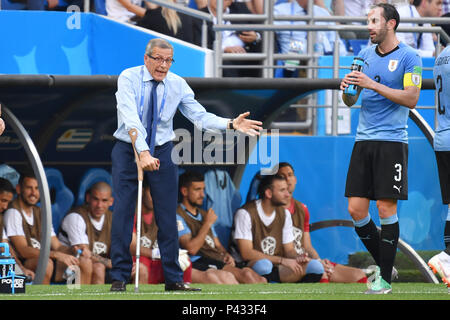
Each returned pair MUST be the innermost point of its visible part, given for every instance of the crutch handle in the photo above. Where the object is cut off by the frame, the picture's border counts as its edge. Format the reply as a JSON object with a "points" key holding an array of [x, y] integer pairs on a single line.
{"points": [[133, 135]]}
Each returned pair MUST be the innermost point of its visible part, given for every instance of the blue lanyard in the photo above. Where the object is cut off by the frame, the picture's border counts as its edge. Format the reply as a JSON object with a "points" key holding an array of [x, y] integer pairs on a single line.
{"points": [[412, 16], [293, 13], [292, 21], [141, 102]]}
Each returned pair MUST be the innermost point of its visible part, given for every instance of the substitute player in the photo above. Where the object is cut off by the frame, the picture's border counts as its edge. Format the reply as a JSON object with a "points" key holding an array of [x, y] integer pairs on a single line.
{"points": [[391, 79], [440, 263]]}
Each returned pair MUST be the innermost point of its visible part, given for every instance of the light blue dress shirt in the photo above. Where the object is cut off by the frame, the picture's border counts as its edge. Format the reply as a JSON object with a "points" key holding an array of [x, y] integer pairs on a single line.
{"points": [[133, 94]]}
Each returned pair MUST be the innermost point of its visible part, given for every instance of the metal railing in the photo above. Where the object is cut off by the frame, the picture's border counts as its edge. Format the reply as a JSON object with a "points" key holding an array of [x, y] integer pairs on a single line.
{"points": [[268, 56]]}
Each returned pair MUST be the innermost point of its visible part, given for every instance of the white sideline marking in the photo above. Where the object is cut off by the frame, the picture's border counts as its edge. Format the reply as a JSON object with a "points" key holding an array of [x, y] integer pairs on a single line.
{"points": [[130, 293]]}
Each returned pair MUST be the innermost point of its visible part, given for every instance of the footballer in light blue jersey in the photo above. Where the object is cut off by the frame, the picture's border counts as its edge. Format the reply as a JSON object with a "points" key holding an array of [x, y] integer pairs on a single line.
{"points": [[381, 118], [390, 83], [441, 73], [440, 263]]}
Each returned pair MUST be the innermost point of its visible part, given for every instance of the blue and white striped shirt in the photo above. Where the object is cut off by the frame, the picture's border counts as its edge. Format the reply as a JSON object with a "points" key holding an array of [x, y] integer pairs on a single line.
{"points": [[133, 94]]}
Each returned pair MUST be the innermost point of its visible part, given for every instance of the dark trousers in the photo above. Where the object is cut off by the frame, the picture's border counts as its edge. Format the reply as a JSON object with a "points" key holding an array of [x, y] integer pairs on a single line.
{"points": [[164, 190]]}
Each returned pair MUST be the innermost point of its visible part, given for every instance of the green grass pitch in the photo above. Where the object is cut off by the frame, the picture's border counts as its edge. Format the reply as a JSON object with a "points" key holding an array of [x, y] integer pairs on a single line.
{"points": [[317, 291]]}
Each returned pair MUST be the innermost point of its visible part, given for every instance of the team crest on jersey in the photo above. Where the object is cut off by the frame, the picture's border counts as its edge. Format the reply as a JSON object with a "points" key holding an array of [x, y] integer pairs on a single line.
{"points": [[99, 248], [392, 65], [210, 241], [298, 234], [35, 244], [415, 78], [268, 245], [146, 242]]}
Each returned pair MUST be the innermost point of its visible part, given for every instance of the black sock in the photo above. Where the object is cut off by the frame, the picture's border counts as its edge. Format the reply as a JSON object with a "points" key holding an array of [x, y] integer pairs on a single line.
{"points": [[274, 276], [311, 278], [447, 237], [371, 239], [388, 249]]}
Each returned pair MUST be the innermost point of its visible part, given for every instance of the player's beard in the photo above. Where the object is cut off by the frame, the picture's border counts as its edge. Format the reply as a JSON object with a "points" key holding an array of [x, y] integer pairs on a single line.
{"points": [[195, 203], [28, 203], [379, 37], [278, 202]]}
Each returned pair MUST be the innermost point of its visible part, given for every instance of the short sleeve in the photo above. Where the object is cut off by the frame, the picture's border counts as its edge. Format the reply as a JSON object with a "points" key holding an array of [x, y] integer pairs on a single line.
{"points": [[243, 225]]}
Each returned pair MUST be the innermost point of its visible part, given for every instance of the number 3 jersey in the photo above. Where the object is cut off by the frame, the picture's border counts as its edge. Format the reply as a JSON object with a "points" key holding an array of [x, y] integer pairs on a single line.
{"points": [[441, 74], [381, 118]]}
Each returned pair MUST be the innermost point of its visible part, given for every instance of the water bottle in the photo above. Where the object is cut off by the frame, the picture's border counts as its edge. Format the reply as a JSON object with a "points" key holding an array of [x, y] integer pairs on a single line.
{"points": [[357, 65], [7, 262], [69, 273], [319, 47]]}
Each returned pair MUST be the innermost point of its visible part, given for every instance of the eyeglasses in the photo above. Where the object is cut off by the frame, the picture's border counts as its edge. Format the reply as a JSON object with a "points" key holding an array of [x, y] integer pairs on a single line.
{"points": [[160, 60]]}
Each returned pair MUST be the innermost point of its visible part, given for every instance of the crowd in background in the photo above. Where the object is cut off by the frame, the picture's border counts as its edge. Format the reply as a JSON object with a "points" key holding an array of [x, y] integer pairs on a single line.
{"points": [[185, 27]]}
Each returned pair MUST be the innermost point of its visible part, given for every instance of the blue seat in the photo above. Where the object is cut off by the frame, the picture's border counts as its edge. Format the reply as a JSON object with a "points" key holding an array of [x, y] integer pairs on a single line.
{"points": [[35, 5], [89, 178], [100, 7], [63, 199], [357, 45], [252, 193], [7, 5]]}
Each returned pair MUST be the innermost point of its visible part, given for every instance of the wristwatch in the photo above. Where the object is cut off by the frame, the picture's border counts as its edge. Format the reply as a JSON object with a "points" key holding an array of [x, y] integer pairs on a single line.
{"points": [[230, 124]]}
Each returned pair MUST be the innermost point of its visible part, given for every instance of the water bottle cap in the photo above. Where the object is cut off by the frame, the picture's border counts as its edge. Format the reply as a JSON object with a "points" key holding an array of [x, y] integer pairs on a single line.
{"points": [[5, 253]]}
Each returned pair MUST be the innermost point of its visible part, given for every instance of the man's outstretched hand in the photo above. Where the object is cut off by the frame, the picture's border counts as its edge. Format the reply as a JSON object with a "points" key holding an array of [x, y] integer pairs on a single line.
{"points": [[247, 126]]}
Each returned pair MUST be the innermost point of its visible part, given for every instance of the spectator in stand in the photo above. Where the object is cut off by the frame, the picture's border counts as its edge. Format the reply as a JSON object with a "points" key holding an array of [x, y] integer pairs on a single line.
{"points": [[195, 4], [23, 5], [328, 5], [163, 20], [22, 222], [6, 195], [446, 28], [88, 227], [445, 7], [302, 239], [265, 239], [58, 5], [123, 10], [296, 41], [197, 234], [423, 42], [354, 8], [232, 41], [255, 6]]}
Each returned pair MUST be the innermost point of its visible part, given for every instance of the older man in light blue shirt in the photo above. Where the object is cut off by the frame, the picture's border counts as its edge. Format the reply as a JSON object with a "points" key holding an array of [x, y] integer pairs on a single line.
{"points": [[181, 96], [148, 97]]}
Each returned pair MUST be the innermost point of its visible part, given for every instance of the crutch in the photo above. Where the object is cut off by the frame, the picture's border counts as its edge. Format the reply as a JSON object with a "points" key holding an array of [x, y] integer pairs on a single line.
{"points": [[133, 135]]}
